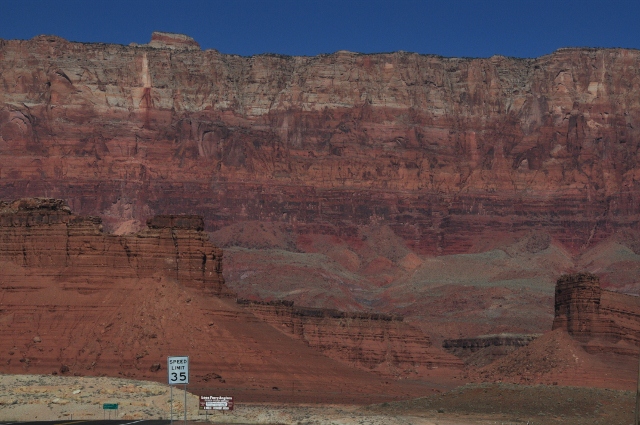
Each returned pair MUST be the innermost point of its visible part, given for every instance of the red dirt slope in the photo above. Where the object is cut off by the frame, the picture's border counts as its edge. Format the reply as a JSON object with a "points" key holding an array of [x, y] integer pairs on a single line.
{"points": [[556, 358]]}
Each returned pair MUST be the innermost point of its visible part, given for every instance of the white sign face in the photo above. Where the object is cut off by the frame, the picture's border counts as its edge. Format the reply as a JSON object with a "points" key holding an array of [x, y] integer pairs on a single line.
{"points": [[178, 370], [216, 403]]}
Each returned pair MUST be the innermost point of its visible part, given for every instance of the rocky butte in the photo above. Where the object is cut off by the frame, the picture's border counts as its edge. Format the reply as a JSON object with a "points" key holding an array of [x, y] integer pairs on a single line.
{"points": [[601, 320]]}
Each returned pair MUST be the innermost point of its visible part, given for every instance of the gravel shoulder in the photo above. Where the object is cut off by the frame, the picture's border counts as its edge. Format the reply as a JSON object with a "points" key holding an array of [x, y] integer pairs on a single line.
{"points": [[46, 397]]}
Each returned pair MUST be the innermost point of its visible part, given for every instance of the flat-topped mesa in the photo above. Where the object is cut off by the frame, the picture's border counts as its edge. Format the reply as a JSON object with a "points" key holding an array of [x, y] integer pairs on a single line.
{"points": [[577, 304], [173, 41], [371, 341], [43, 234], [594, 316]]}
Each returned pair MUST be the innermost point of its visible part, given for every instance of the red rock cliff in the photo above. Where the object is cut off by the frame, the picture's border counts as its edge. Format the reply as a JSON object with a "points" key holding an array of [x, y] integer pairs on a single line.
{"points": [[598, 318], [42, 233], [441, 149]]}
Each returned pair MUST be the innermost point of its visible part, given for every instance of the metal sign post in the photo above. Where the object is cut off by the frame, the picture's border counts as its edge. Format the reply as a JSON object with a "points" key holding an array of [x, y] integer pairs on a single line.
{"points": [[178, 373]]}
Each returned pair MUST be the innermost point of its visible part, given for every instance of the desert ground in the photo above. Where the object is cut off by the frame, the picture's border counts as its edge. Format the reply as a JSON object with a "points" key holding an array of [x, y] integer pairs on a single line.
{"points": [[46, 397]]}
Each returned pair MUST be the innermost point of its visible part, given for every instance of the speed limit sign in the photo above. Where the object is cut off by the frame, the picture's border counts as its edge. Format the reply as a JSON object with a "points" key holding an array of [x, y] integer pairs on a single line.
{"points": [[178, 368]]}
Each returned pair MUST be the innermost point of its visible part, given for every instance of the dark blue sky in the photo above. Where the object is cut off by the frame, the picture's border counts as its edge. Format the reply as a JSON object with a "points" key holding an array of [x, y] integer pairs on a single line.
{"points": [[480, 28]]}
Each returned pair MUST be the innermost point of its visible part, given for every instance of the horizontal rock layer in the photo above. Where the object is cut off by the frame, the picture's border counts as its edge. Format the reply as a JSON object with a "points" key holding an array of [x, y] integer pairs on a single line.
{"points": [[443, 150], [484, 341], [371, 341], [486, 349]]}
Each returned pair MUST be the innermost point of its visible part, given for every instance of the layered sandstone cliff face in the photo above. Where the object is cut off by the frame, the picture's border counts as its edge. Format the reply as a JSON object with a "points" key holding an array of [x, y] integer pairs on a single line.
{"points": [[442, 150], [601, 320], [42, 233], [379, 342]]}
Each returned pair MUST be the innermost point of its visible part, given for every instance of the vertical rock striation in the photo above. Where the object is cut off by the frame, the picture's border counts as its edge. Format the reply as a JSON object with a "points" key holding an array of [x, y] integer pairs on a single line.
{"points": [[443, 150]]}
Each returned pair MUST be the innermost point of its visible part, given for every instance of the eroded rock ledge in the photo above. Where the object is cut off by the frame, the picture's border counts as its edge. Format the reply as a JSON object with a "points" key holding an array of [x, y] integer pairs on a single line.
{"points": [[286, 305], [485, 349], [370, 341], [484, 341]]}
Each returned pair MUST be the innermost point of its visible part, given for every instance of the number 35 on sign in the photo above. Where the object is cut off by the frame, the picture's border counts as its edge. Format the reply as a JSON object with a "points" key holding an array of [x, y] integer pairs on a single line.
{"points": [[178, 369]]}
